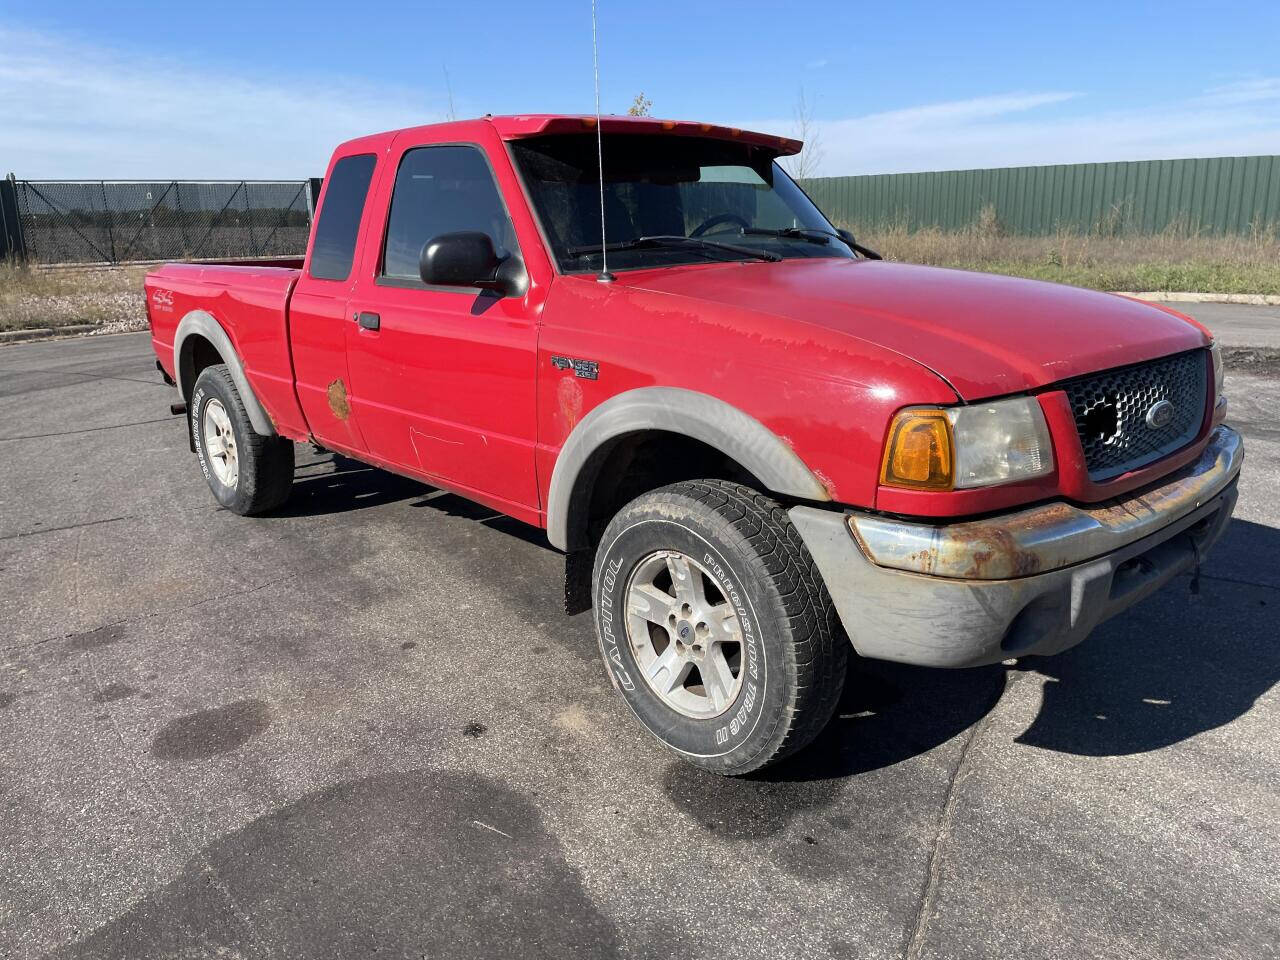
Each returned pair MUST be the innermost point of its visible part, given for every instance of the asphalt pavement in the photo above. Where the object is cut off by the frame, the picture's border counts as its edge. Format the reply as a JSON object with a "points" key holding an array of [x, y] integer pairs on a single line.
{"points": [[363, 726], [1237, 325]]}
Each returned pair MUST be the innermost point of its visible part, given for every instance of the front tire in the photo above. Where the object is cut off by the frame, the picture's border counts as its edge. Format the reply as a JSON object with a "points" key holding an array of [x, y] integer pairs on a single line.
{"points": [[248, 473], [715, 625]]}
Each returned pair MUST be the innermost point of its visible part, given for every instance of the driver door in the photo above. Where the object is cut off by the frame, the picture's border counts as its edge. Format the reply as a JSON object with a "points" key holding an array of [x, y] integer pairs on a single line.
{"points": [[444, 377]]}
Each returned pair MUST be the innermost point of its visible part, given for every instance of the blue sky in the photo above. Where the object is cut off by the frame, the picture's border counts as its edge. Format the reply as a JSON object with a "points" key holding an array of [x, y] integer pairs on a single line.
{"points": [[238, 89]]}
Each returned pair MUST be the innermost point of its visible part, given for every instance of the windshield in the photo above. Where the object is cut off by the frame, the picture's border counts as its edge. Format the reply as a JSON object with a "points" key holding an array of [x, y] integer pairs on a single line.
{"points": [[663, 194]]}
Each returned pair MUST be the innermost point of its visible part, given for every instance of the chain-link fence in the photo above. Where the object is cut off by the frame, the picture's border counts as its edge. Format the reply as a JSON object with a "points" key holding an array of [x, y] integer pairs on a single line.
{"points": [[115, 221]]}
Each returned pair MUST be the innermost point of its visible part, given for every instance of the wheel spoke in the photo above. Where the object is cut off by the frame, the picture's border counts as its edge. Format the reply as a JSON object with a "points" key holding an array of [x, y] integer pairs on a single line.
{"points": [[220, 443], [653, 604], [668, 672], [717, 677], [686, 580], [723, 622], [699, 634]]}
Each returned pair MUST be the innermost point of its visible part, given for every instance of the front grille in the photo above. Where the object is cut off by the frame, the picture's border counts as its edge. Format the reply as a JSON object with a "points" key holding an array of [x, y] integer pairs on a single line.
{"points": [[1122, 420]]}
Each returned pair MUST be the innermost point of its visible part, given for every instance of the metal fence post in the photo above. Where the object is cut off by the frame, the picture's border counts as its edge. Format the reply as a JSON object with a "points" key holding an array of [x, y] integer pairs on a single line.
{"points": [[106, 210], [313, 196], [11, 242], [182, 225], [248, 219]]}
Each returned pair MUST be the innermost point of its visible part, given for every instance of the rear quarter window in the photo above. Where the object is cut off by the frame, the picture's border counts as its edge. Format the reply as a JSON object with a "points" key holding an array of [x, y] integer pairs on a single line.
{"points": [[334, 248]]}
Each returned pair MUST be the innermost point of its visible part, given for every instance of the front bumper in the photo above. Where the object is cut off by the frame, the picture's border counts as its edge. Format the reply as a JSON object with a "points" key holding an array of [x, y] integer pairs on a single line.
{"points": [[1035, 581]]}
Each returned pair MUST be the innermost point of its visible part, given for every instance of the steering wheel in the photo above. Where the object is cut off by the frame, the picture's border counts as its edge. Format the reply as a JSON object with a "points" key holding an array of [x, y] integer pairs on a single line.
{"points": [[718, 219]]}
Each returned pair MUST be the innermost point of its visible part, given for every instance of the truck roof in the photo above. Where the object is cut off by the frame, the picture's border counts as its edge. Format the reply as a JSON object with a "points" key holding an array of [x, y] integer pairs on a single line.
{"points": [[519, 126]]}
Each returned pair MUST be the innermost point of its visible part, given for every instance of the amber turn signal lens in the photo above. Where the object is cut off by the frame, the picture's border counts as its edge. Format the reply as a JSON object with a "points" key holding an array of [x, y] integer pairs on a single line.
{"points": [[919, 452]]}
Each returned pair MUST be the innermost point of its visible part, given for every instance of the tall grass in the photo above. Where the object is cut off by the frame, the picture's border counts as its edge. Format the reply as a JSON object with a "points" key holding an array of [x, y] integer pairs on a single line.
{"points": [[33, 297], [1105, 258]]}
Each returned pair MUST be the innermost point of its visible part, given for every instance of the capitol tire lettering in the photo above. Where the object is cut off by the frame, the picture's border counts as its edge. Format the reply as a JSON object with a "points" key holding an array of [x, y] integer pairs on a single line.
{"points": [[715, 627]]}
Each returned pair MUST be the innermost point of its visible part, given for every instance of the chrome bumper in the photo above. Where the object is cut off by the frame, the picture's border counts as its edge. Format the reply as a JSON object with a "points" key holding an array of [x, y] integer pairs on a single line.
{"points": [[1036, 581], [1050, 536]]}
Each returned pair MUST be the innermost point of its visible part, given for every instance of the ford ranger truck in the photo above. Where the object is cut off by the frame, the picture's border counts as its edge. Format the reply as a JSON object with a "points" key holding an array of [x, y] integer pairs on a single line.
{"points": [[758, 444]]}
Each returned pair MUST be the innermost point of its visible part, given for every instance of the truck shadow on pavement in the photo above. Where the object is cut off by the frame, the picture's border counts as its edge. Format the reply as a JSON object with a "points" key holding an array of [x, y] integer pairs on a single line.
{"points": [[1178, 665], [340, 485], [432, 863], [351, 485], [1172, 667], [889, 713]]}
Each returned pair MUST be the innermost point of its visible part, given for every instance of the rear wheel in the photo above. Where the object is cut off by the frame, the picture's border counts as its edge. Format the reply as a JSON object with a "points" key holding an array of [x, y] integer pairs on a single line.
{"points": [[715, 626], [248, 473]]}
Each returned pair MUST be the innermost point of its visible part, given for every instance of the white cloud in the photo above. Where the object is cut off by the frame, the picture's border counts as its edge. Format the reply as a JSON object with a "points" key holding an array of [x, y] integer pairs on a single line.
{"points": [[951, 113], [71, 110], [75, 111], [1256, 90], [1041, 128]]}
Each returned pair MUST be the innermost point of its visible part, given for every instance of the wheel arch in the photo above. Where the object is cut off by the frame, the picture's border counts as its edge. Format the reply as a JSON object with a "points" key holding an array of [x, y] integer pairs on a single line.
{"points": [[738, 437], [199, 330]]}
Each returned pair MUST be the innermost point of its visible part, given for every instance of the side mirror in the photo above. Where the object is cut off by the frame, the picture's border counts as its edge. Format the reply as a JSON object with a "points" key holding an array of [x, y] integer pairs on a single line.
{"points": [[464, 259], [855, 246]]}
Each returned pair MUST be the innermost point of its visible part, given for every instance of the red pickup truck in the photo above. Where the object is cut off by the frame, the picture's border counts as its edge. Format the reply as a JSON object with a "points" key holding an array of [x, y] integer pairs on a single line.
{"points": [[755, 441]]}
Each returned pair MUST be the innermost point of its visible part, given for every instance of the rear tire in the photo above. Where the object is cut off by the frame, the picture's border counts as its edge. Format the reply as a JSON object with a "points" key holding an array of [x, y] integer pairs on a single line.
{"points": [[715, 625], [247, 472]]}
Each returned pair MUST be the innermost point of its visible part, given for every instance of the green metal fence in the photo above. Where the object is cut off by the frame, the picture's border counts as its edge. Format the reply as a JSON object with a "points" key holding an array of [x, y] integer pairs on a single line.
{"points": [[1214, 195]]}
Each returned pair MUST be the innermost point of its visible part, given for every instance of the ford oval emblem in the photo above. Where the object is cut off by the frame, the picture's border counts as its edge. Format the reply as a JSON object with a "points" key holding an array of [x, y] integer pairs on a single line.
{"points": [[1160, 415]]}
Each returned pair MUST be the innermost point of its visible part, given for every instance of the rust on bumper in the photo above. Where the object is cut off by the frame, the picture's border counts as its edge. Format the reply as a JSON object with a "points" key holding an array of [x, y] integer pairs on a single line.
{"points": [[1050, 536]]}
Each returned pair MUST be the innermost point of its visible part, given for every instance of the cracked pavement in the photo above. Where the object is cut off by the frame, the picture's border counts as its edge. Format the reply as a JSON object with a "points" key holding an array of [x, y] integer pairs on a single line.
{"points": [[363, 725]]}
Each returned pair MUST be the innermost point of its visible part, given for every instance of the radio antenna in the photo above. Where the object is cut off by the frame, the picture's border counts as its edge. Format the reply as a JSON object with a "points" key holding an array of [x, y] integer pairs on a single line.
{"points": [[605, 275]]}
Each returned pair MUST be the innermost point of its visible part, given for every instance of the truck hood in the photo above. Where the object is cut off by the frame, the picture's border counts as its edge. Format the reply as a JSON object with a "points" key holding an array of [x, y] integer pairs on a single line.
{"points": [[984, 334]]}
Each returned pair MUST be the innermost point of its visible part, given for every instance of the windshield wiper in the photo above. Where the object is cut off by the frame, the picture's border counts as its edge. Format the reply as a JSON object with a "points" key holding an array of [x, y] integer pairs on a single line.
{"points": [[808, 234], [817, 235], [672, 240]]}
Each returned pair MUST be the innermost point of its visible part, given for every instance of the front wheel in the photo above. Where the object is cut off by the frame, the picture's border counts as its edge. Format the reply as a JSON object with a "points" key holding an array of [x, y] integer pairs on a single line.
{"points": [[715, 625], [248, 473]]}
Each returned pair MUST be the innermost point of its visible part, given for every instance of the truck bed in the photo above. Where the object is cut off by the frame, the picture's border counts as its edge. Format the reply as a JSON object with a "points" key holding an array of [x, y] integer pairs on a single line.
{"points": [[250, 301]]}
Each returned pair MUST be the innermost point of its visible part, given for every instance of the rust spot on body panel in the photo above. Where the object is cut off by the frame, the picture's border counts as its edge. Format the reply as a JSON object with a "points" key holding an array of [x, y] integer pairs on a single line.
{"points": [[975, 551], [569, 395], [1050, 536], [337, 394], [827, 483], [991, 550]]}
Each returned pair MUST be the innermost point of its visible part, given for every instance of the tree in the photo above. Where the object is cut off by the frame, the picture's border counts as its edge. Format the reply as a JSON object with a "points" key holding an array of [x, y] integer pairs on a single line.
{"points": [[805, 164], [640, 106]]}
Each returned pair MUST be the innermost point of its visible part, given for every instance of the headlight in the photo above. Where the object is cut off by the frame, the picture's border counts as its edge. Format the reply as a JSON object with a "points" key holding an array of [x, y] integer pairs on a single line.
{"points": [[1219, 371], [932, 448]]}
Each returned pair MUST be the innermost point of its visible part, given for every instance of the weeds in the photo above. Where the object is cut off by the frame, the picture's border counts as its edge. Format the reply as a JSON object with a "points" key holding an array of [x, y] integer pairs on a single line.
{"points": [[1107, 258], [56, 297]]}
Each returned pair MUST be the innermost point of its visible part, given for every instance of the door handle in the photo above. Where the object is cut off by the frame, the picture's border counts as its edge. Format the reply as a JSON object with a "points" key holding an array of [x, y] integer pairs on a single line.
{"points": [[369, 321]]}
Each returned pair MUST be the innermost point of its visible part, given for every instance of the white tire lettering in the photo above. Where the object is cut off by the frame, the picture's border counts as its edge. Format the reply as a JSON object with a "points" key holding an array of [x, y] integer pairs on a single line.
{"points": [[612, 654], [750, 642], [197, 402]]}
